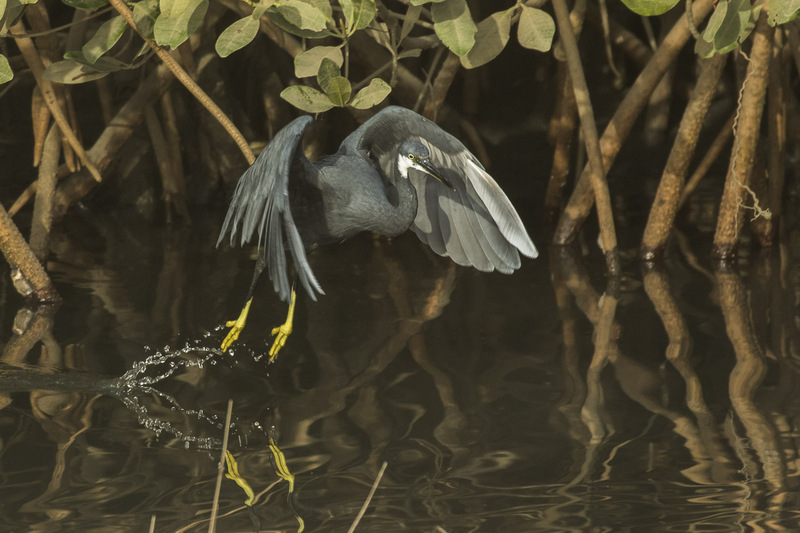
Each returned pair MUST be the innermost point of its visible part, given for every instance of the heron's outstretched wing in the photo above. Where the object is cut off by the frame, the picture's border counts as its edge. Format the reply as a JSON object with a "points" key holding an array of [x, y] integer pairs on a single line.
{"points": [[261, 202], [475, 224]]}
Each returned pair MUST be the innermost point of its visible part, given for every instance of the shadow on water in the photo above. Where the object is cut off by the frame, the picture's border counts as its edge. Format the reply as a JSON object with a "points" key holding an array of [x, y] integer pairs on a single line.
{"points": [[538, 401]]}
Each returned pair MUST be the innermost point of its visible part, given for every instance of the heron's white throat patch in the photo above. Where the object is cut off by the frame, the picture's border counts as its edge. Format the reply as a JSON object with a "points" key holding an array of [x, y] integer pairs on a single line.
{"points": [[404, 163]]}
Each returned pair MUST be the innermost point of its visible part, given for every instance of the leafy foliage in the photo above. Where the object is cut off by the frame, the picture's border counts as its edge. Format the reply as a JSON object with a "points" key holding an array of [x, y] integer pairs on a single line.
{"points": [[5, 70], [307, 64], [371, 95], [454, 26], [237, 36], [106, 36], [650, 8], [731, 23], [178, 20], [490, 39], [536, 29], [783, 11], [450, 22]]}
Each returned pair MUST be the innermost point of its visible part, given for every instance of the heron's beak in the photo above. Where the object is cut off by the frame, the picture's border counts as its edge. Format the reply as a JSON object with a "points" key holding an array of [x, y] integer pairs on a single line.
{"points": [[430, 169]]}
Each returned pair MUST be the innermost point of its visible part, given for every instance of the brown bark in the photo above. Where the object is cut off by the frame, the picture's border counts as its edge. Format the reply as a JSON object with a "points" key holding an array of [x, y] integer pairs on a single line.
{"points": [[665, 205], [597, 172], [581, 201], [43, 208], [19, 255], [737, 181]]}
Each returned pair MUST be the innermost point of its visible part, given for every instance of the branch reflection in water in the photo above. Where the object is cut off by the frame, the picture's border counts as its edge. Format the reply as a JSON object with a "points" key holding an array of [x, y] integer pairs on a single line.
{"points": [[532, 402]]}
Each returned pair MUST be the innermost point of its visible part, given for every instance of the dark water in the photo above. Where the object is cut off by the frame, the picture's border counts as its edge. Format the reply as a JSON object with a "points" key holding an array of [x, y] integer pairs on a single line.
{"points": [[483, 393]]}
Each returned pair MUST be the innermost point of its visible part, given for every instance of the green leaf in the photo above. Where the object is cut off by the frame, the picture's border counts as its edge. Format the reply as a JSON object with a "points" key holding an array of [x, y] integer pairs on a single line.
{"points": [[412, 16], [6, 74], [86, 5], [535, 29], [371, 95], [261, 8], [2, 8], [453, 24], [715, 21], [780, 11], [103, 64], [104, 38], [650, 8], [323, 6], [703, 48], [145, 14], [339, 90], [306, 64], [280, 21], [492, 36], [423, 2], [306, 98], [236, 36], [302, 15], [327, 71], [10, 15], [70, 72], [178, 20], [731, 22], [358, 13], [413, 52]]}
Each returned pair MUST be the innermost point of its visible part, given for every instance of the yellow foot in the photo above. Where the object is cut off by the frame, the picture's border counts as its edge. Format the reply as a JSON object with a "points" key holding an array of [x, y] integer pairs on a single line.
{"points": [[282, 332], [236, 326]]}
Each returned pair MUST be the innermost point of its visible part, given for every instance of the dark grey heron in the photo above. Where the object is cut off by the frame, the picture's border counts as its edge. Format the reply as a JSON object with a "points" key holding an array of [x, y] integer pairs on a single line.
{"points": [[379, 180]]}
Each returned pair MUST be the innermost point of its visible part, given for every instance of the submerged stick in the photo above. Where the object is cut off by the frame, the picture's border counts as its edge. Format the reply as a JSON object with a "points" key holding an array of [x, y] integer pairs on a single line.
{"points": [[212, 523], [369, 498]]}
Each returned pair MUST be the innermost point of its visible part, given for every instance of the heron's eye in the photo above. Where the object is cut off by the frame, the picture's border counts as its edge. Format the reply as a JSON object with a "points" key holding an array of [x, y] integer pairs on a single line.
{"points": [[411, 156]]}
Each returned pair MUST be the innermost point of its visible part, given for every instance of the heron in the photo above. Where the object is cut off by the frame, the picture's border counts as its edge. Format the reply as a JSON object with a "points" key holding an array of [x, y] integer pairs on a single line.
{"points": [[397, 171]]}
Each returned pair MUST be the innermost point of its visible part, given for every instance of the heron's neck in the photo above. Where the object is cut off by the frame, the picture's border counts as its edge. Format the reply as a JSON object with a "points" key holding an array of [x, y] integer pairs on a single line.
{"points": [[403, 197]]}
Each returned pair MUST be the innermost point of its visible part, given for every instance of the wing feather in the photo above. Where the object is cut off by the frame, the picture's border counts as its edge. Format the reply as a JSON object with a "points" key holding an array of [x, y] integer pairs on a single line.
{"points": [[476, 224], [260, 204]]}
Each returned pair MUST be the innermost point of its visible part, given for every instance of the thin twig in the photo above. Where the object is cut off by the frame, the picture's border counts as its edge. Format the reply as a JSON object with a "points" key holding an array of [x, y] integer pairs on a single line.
{"points": [[28, 50], [711, 155], [589, 127], [441, 84], [31, 35], [108, 144], [369, 498], [189, 83], [212, 524]]}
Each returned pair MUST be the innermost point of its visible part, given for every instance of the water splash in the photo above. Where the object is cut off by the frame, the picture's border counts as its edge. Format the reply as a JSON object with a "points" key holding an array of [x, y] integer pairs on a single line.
{"points": [[138, 383]]}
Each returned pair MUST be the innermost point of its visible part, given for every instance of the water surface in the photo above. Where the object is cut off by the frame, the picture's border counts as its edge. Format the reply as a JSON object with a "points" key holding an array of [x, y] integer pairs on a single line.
{"points": [[485, 394]]}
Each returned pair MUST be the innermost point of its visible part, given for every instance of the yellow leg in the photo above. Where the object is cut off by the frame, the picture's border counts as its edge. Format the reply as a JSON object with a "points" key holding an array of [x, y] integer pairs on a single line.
{"points": [[236, 326], [282, 332]]}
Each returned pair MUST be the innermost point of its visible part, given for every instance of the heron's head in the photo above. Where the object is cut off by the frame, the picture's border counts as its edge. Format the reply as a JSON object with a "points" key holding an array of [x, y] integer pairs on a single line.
{"points": [[414, 154]]}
